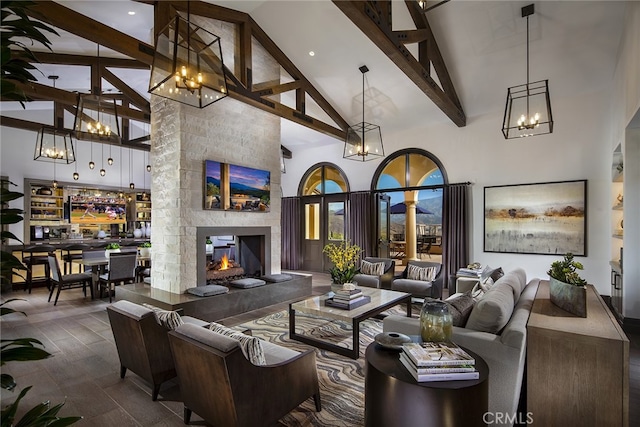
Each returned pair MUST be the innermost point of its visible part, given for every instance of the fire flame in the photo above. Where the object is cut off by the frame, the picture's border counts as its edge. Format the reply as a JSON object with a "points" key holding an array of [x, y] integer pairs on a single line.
{"points": [[224, 262]]}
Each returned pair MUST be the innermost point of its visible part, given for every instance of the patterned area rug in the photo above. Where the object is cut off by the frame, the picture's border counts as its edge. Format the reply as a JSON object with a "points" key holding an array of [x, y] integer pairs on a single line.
{"points": [[341, 378]]}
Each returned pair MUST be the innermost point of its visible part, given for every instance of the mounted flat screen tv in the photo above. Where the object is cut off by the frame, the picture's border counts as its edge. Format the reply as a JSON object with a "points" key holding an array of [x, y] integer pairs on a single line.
{"points": [[94, 209], [237, 188]]}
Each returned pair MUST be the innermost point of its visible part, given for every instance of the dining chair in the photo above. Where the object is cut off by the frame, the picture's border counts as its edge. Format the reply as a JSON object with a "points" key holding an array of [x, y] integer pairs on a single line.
{"points": [[122, 268], [66, 281], [70, 253], [37, 255]]}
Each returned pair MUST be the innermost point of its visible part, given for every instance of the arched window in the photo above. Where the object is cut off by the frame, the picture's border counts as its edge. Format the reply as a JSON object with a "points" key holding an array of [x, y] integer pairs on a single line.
{"points": [[413, 177], [323, 178]]}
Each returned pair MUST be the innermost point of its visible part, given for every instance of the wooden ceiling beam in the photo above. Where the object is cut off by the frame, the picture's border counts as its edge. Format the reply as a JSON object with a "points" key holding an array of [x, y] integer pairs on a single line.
{"points": [[82, 26], [366, 15], [83, 60], [132, 96], [39, 91]]}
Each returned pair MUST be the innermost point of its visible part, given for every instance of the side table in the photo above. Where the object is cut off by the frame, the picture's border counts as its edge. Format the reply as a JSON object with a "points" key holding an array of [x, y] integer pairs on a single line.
{"points": [[394, 398]]}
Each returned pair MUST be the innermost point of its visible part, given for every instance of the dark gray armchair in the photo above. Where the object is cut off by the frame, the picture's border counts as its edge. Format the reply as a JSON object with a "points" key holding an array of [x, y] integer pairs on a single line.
{"points": [[377, 281], [420, 288]]}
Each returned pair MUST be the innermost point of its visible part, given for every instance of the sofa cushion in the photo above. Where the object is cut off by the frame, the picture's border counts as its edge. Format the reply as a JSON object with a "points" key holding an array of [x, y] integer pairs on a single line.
{"points": [[132, 309], [372, 268], [251, 346], [459, 307], [274, 353], [493, 311], [421, 273], [247, 283], [516, 279], [208, 290], [276, 278], [167, 318], [417, 288], [205, 336]]}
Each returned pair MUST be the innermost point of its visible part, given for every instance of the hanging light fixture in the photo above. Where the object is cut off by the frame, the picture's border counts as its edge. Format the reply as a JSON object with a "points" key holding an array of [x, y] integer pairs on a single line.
{"points": [[131, 184], [187, 64], [121, 193], [91, 162], [96, 117], [528, 109], [76, 175], [110, 159], [364, 140], [54, 143], [54, 184], [102, 171]]}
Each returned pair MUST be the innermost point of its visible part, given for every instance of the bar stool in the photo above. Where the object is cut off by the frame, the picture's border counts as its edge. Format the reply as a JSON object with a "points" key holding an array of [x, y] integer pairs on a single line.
{"points": [[68, 257], [37, 255]]}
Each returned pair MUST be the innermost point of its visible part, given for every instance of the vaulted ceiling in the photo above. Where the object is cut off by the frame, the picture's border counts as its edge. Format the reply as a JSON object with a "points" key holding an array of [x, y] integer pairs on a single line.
{"points": [[480, 51]]}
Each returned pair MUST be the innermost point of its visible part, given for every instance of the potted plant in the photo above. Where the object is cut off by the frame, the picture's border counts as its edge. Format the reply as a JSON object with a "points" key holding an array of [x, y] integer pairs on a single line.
{"points": [[567, 289], [145, 249], [343, 256], [209, 246], [111, 247]]}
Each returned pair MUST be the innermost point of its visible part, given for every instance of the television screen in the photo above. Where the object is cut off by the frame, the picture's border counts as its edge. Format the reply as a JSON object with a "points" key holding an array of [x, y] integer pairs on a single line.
{"points": [[102, 210], [238, 188]]}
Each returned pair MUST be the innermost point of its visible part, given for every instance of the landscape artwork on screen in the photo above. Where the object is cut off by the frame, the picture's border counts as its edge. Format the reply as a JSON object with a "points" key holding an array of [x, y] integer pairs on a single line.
{"points": [[545, 218], [238, 188]]}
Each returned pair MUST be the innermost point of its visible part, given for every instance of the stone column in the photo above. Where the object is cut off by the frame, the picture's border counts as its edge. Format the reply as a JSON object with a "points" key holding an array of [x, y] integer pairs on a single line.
{"points": [[411, 241]]}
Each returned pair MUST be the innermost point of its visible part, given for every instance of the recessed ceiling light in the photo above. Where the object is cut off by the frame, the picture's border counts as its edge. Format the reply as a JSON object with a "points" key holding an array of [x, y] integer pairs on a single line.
{"points": [[312, 53], [131, 12]]}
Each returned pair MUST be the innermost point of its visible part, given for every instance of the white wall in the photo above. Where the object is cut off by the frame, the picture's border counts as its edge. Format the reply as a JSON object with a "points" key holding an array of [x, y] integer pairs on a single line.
{"points": [[577, 149]]}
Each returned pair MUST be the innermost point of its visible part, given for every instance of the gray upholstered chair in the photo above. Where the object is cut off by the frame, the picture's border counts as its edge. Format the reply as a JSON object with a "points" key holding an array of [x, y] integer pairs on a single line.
{"points": [[122, 269], [66, 281], [420, 288], [218, 382], [142, 343], [382, 281]]}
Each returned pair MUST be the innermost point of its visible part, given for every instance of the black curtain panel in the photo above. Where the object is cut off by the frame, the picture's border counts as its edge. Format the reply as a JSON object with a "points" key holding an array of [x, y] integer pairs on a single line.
{"points": [[362, 222], [455, 230], [291, 252]]}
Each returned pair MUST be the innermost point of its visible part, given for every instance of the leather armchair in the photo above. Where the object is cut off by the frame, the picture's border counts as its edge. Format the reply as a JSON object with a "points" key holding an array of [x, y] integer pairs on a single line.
{"points": [[381, 282], [218, 383], [420, 288], [143, 346]]}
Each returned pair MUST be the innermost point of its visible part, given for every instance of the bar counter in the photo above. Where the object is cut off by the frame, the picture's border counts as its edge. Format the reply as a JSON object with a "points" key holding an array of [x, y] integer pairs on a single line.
{"points": [[64, 243]]}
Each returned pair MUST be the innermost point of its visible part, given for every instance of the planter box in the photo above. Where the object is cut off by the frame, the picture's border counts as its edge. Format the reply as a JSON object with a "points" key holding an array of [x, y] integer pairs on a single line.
{"points": [[568, 297]]}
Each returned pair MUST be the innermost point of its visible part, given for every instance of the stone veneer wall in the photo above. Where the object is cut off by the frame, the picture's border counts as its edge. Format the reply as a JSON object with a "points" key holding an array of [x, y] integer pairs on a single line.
{"points": [[182, 138]]}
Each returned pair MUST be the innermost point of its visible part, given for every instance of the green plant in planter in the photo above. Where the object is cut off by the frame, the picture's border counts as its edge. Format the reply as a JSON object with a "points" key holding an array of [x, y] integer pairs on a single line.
{"points": [[112, 246], [145, 245], [565, 271], [209, 242]]}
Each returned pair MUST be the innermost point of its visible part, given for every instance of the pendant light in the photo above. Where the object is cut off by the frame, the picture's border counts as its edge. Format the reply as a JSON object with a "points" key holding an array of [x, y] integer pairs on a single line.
{"points": [[187, 64], [132, 186], [54, 142], [54, 184], [102, 171], [364, 140], [121, 194], [91, 163], [110, 159], [76, 175], [528, 108]]}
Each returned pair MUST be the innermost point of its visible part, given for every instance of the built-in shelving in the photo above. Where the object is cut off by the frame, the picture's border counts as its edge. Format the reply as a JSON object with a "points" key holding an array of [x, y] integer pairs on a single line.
{"points": [[617, 233]]}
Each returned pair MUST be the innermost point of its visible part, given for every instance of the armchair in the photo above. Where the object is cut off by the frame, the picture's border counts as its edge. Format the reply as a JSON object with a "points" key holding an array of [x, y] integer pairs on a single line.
{"points": [[382, 281], [420, 288], [142, 343], [224, 388]]}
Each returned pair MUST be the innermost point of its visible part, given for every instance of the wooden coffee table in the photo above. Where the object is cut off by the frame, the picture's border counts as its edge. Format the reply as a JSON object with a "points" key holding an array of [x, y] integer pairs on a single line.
{"points": [[381, 300]]}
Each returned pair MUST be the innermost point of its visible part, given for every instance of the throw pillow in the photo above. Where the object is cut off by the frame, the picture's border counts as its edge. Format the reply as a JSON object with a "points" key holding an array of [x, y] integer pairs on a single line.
{"points": [[421, 273], [497, 273], [459, 307], [167, 318], [251, 346], [276, 278], [372, 268], [481, 288], [247, 282], [208, 290]]}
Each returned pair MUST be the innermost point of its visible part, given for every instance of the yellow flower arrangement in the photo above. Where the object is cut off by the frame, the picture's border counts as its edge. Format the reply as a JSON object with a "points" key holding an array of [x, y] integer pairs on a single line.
{"points": [[343, 256]]}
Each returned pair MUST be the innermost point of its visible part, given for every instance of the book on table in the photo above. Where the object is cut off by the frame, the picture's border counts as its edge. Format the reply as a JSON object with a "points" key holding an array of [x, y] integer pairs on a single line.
{"points": [[421, 376], [431, 354], [346, 298], [348, 305], [435, 369]]}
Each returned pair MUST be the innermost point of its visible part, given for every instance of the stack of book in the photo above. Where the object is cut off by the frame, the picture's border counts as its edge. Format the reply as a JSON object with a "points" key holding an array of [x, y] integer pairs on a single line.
{"points": [[469, 272], [347, 299], [438, 361]]}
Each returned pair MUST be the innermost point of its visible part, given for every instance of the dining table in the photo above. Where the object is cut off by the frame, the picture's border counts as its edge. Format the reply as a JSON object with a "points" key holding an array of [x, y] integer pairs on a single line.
{"points": [[99, 267]]}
